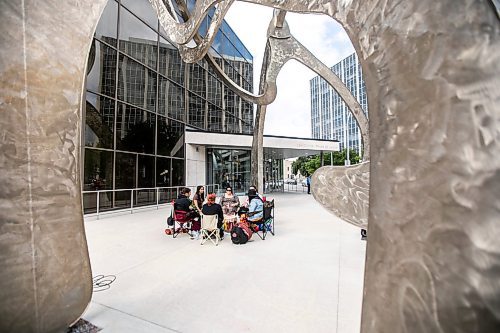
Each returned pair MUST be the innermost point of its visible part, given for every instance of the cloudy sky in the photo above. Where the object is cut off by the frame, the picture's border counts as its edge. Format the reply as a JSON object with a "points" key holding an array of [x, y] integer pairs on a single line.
{"points": [[290, 113]]}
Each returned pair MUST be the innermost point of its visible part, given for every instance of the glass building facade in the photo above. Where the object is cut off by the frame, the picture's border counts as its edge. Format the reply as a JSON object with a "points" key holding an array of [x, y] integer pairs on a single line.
{"points": [[330, 116], [140, 97], [231, 167]]}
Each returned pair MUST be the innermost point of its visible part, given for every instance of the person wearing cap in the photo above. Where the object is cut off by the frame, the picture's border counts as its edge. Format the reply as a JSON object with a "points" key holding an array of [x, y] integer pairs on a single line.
{"points": [[255, 207], [213, 208], [247, 201]]}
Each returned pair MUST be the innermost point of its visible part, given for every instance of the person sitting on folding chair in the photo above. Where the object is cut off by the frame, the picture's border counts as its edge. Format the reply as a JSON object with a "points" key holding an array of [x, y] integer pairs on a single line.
{"points": [[213, 208], [230, 204], [183, 203], [247, 201], [255, 208]]}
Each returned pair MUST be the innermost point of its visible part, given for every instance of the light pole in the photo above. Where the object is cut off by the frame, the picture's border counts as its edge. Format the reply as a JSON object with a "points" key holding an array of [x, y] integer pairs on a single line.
{"points": [[348, 160]]}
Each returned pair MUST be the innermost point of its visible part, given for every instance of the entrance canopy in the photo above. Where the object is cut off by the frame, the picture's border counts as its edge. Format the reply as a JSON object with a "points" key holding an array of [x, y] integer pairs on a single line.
{"points": [[280, 147]]}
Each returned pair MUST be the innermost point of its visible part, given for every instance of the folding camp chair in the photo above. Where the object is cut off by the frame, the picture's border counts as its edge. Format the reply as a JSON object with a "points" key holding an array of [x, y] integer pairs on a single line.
{"points": [[266, 224], [182, 223], [209, 229], [229, 222]]}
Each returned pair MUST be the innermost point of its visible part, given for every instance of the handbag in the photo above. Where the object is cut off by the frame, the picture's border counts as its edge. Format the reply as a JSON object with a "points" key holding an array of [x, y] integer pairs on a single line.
{"points": [[170, 219]]}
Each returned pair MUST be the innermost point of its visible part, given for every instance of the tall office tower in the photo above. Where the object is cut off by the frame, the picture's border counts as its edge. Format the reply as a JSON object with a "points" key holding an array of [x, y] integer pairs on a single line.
{"points": [[330, 117]]}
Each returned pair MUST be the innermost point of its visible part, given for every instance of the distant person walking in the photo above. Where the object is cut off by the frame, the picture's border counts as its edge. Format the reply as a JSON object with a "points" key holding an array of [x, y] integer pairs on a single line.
{"points": [[308, 183]]}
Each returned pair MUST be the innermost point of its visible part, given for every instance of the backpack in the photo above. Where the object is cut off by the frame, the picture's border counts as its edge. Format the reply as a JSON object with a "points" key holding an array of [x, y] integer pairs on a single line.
{"points": [[238, 236]]}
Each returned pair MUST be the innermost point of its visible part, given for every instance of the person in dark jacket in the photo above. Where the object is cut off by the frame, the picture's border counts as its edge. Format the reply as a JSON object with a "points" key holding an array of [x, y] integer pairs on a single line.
{"points": [[213, 208], [183, 203]]}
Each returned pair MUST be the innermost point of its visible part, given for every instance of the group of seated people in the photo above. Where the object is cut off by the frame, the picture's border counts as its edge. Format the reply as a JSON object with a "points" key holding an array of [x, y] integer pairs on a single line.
{"points": [[227, 210]]}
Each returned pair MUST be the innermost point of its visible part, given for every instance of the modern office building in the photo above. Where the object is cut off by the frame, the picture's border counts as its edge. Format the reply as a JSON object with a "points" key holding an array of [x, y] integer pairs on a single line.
{"points": [[141, 97], [144, 106], [330, 117]]}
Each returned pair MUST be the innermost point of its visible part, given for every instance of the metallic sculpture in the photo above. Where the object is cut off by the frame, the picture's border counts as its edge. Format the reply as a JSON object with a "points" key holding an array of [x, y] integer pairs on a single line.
{"points": [[280, 48], [45, 278], [432, 71], [344, 191]]}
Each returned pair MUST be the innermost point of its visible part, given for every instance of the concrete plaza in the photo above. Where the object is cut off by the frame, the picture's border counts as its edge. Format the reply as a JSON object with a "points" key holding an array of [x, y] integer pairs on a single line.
{"points": [[307, 278]]}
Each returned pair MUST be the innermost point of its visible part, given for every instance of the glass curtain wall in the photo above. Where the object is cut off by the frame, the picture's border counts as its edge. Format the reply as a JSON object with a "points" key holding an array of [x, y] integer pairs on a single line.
{"points": [[273, 173], [229, 167], [139, 98]]}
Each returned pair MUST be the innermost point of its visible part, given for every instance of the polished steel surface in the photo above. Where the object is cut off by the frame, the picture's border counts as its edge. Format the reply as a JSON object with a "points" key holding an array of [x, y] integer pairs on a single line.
{"points": [[194, 54], [281, 47], [432, 71], [45, 278], [344, 191]]}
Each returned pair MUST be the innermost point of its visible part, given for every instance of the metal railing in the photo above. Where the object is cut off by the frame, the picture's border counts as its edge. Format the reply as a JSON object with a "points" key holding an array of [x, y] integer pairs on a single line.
{"points": [[294, 187], [99, 202]]}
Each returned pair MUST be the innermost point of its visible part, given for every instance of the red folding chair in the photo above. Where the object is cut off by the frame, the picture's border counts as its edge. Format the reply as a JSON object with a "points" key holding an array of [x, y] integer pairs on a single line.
{"points": [[182, 223]]}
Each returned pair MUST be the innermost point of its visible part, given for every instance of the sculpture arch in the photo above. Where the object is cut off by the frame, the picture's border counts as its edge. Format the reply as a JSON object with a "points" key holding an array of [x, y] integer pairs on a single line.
{"points": [[432, 72]]}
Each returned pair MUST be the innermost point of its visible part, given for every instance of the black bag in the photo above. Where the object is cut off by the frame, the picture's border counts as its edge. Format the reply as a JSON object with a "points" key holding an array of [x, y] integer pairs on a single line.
{"points": [[238, 236], [170, 220]]}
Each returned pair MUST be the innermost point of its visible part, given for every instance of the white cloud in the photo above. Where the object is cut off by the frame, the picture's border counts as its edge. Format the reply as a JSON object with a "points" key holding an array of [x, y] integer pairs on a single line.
{"points": [[290, 113]]}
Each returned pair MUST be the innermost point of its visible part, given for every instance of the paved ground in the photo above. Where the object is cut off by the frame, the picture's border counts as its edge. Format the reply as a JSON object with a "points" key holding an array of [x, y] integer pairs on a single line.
{"points": [[308, 278]]}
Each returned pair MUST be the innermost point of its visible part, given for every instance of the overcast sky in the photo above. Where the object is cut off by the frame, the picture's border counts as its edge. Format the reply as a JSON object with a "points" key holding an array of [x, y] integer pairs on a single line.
{"points": [[290, 113]]}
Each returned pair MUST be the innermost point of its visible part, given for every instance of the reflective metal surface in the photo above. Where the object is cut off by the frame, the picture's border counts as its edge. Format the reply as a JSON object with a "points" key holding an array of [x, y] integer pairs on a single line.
{"points": [[344, 191], [432, 71], [45, 278]]}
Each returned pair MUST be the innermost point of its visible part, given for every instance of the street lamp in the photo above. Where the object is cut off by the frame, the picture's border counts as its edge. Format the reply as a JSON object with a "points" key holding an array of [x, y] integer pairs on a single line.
{"points": [[348, 160]]}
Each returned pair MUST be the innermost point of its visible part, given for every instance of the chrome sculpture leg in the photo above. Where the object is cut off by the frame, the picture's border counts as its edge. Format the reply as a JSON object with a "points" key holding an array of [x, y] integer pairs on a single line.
{"points": [[45, 278], [433, 254]]}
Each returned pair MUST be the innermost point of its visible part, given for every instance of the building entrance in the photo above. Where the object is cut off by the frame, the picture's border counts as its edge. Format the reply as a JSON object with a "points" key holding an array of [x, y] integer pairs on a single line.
{"points": [[228, 167]]}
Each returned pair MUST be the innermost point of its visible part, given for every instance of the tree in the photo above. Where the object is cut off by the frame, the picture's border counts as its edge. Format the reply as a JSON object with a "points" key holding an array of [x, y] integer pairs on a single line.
{"points": [[308, 164], [299, 165]]}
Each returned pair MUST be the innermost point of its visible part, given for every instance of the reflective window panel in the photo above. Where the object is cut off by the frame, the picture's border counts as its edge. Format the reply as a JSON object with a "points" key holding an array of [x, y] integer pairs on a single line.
{"points": [[214, 118], [196, 114], [101, 69], [214, 90], [106, 28], [135, 129], [197, 79], [125, 171], [137, 39], [136, 83], [163, 172], [171, 99], [170, 137], [171, 64], [228, 167], [99, 121], [178, 172], [143, 10], [98, 170], [145, 171]]}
